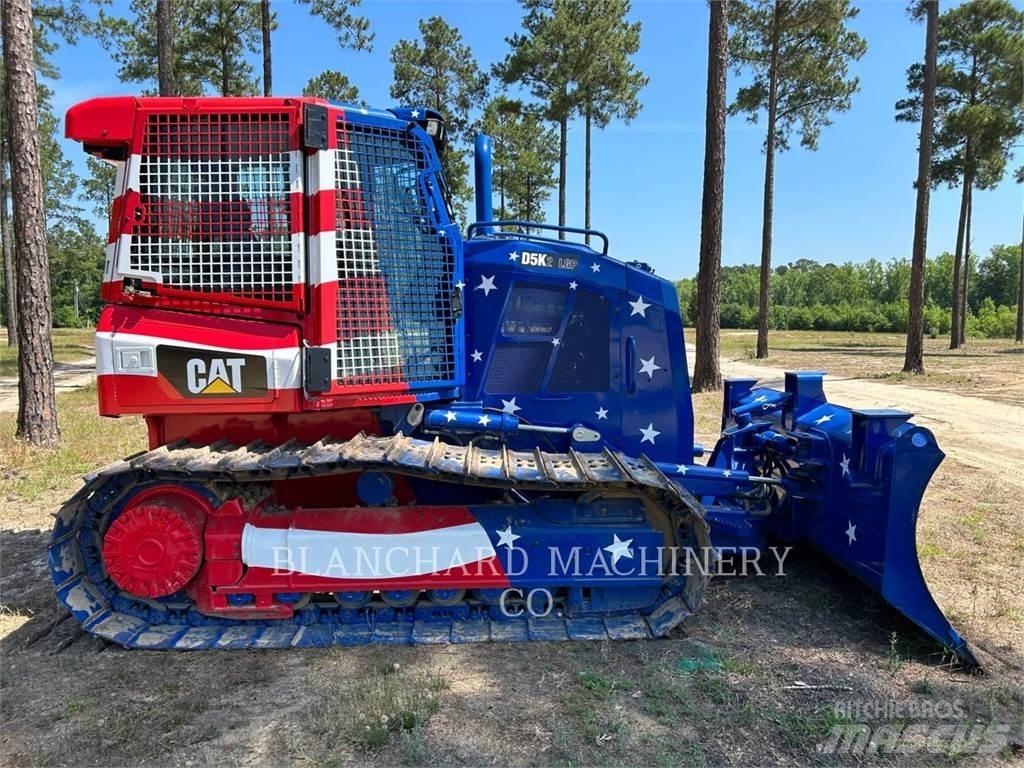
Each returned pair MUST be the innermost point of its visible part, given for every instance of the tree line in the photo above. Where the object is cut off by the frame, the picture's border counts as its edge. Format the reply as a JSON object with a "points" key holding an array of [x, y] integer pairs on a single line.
{"points": [[868, 296]]}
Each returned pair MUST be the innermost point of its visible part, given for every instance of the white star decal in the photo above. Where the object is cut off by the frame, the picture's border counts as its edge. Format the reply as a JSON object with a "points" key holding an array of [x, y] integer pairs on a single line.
{"points": [[460, 285], [601, 413], [649, 367], [639, 306], [726, 473], [851, 533], [649, 434], [415, 113], [618, 549], [823, 419], [510, 407], [556, 341], [486, 285], [573, 285], [681, 469], [449, 417], [845, 464], [484, 420], [595, 268], [513, 256], [507, 538], [477, 355]]}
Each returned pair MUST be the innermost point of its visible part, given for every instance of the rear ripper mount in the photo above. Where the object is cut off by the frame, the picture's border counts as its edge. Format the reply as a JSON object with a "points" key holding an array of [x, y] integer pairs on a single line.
{"points": [[150, 511]]}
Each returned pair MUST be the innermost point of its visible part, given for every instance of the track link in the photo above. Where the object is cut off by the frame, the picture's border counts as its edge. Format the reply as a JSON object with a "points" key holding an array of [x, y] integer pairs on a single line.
{"points": [[82, 585]]}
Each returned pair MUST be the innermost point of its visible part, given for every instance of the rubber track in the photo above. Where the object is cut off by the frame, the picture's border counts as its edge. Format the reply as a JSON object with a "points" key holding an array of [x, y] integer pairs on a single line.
{"points": [[82, 586]]}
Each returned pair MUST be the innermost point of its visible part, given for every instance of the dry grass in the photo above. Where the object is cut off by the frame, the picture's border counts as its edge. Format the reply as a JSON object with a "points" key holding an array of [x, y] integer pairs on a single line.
{"points": [[33, 479], [990, 368], [69, 345]]}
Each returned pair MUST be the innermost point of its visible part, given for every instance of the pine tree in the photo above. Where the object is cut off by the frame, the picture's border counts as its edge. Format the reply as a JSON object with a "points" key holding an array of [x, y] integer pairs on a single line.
{"points": [[331, 84], [1019, 337], [439, 71], [914, 359], [37, 407], [548, 60], [707, 375], [525, 153], [798, 53], [609, 81], [978, 86], [211, 39], [353, 31]]}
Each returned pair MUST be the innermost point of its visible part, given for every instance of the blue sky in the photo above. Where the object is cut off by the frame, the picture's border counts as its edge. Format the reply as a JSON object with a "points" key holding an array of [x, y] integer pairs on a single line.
{"points": [[851, 200]]}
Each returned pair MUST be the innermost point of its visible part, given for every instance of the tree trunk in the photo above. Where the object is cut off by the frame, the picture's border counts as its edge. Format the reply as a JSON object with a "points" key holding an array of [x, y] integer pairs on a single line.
{"points": [[913, 362], [1020, 290], [225, 65], [563, 138], [10, 292], [165, 48], [265, 25], [966, 269], [707, 375], [769, 189], [37, 407], [954, 326], [586, 177], [501, 191]]}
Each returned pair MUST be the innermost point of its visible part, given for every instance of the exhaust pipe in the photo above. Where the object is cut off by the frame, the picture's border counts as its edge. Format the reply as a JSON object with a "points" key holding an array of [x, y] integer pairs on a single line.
{"points": [[482, 176]]}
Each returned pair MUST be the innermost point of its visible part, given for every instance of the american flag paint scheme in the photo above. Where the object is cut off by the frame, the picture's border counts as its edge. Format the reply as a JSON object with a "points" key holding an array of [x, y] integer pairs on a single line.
{"points": [[367, 426]]}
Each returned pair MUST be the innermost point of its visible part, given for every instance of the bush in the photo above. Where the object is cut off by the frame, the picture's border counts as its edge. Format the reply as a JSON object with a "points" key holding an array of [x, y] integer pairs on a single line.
{"points": [[991, 321], [64, 317]]}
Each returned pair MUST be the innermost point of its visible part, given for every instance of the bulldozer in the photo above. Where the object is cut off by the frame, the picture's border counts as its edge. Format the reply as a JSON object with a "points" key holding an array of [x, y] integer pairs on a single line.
{"points": [[366, 426]]}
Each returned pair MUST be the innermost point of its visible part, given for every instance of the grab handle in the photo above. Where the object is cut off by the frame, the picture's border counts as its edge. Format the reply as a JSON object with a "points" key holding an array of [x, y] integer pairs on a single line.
{"points": [[631, 364]]}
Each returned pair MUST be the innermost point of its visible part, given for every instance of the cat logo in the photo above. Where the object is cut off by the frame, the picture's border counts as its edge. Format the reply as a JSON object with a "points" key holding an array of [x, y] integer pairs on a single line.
{"points": [[223, 376], [205, 373]]}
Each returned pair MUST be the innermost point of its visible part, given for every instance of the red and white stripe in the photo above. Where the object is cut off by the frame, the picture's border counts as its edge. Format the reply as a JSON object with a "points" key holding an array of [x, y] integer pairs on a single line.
{"points": [[374, 547]]}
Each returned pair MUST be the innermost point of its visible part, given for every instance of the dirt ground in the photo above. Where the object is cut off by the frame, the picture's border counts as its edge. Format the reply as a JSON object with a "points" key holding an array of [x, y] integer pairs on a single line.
{"points": [[769, 671]]}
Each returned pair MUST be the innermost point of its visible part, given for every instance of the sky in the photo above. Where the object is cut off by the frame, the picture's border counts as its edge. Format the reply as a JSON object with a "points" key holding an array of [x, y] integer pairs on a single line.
{"points": [[851, 200]]}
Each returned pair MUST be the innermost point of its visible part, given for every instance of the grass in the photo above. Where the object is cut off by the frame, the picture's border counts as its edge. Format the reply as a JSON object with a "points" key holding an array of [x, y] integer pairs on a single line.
{"points": [[369, 712], [69, 345], [89, 441]]}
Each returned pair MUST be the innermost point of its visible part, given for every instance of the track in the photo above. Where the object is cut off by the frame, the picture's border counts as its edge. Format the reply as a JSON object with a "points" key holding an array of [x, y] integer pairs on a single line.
{"points": [[83, 587]]}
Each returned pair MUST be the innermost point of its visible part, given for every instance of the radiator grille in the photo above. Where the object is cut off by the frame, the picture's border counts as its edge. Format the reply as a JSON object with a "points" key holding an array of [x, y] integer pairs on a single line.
{"points": [[395, 272], [216, 213]]}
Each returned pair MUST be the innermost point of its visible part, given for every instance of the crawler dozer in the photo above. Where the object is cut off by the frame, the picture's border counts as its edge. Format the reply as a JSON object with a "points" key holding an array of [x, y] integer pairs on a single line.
{"points": [[366, 426]]}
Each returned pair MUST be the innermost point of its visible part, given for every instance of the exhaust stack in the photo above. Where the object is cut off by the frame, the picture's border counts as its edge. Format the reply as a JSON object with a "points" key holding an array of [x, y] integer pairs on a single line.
{"points": [[482, 168]]}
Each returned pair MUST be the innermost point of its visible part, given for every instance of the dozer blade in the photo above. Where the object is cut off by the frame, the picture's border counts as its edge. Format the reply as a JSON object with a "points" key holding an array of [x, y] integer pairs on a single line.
{"points": [[854, 486]]}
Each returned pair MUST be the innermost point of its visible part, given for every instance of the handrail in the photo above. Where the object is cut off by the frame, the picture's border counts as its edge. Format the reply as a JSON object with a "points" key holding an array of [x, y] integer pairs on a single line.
{"points": [[484, 225]]}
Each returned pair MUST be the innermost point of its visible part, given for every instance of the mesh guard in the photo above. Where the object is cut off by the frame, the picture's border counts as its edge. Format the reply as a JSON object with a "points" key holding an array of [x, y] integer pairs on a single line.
{"points": [[396, 320]]}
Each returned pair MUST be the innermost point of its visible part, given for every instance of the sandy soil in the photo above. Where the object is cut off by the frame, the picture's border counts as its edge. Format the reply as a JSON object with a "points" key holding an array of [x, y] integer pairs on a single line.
{"points": [[67, 377]]}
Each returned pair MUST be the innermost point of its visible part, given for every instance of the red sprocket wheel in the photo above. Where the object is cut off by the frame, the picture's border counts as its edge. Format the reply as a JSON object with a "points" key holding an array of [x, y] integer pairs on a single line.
{"points": [[155, 547]]}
